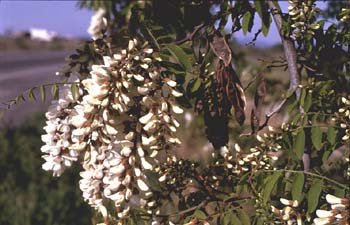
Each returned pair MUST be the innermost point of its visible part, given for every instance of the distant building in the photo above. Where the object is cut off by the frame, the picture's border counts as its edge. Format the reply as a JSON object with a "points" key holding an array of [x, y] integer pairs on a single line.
{"points": [[42, 34]]}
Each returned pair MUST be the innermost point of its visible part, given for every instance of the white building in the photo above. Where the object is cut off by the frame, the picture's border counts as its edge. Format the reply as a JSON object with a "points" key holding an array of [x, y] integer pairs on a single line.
{"points": [[42, 34]]}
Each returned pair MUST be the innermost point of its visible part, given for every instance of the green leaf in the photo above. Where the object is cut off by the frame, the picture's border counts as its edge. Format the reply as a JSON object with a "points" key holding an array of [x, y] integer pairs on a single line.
{"points": [[269, 184], [196, 84], [180, 55], [308, 101], [316, 137], [331, 135], [299, 144], [297, 186], [244, 217], [199, 214], [313, 195], [145, 30], [223, 22], [167, 36], [31, 95], [42, 93], [152, 180], [230, 218], [264, 14], [18, 99], [325, 156], [223, 8], [246, 20], [302, 97], [260, 221], [235, 220], [296, 118], [289, 93], [75, 91], [54, 91], [83, 58]]}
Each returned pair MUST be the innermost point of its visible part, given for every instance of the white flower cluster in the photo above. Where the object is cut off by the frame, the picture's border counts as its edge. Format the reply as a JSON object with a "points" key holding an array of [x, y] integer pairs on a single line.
{"points": [[289, 213], [343, 118], [302, 13], [261, 156], [58, 154], [97, 24], [345, 15], [122, 119], [339, 213]]}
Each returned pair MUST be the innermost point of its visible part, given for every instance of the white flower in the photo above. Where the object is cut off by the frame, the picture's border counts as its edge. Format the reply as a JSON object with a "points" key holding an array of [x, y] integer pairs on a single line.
{"points": [[97, 23], [224, 151], [339, 212], [117, 120], [176, 109], [171, 83], [142, 185], [322, 221], [331, 199], [111, 130], [176, 93], [139, 77], [146, 165], [324, 213], [146, 118], [148, 140]]}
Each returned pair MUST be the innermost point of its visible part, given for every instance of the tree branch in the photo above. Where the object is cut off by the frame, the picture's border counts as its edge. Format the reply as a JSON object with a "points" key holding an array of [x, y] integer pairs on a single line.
{"points": [[190, 36], [291, 57], [289, 50]]}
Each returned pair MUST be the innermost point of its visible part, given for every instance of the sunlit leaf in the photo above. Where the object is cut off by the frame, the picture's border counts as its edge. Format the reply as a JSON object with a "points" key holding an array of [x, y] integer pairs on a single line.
{"points": [[269, 184], [42, 93], [54, 91], [75, 91], [297, 186], [246, 21], [230, 218], [31, 94], [331, 135], [152, 180], [179, 54], [299, 144], [316, 137], [150, 35], [244, 217], [196, 84], [199, 214], [264, 14], [313, 195], [308, 101]]}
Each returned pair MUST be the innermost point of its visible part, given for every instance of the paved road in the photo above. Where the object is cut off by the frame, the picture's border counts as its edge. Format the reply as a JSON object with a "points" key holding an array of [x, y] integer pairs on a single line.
{"points": [[21, 71]]}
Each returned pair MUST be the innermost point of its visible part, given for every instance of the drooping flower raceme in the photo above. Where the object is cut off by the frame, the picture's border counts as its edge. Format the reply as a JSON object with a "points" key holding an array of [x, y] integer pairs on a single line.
{"points": [[97, 24], [289, 213], [337, 214], [302, 14], [58, 154], [122, 119]]}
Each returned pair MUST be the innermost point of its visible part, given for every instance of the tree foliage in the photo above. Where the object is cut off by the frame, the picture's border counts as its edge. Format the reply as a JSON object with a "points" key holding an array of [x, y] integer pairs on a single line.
{"points": [[150, 56]]}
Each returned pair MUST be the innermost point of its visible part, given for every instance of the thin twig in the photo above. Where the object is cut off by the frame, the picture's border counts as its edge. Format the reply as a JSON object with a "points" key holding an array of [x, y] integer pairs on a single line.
{"points": [[291, 57], [311, 174], [252, 42], [190, 36]]}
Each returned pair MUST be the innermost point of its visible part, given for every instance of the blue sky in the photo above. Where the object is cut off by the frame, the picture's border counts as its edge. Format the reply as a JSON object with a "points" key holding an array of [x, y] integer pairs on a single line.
{"points": [[60, 16], [67, 19]]}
